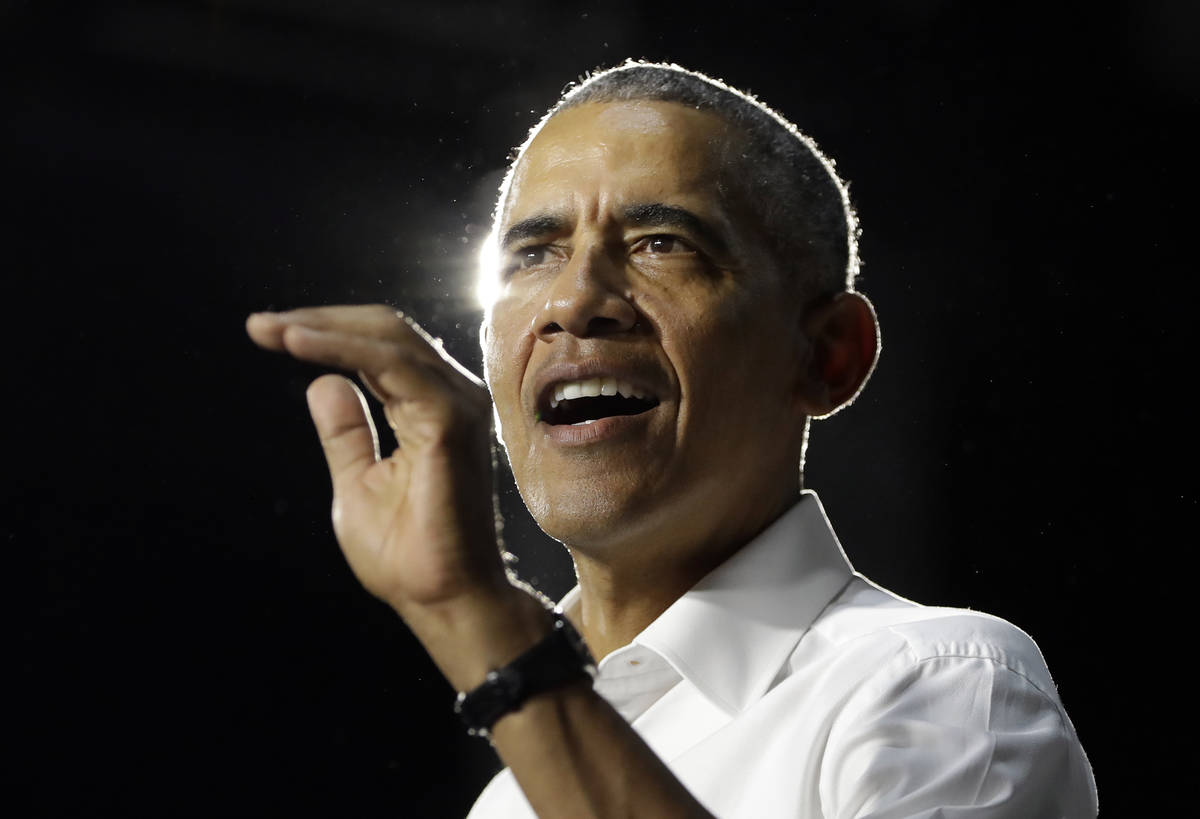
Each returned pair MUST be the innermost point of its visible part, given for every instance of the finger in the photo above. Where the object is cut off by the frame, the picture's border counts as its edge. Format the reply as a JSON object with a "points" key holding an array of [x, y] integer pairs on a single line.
{"points": [[266, 330], [344, 426], [394, 369], [378, 321], [372, 320]]}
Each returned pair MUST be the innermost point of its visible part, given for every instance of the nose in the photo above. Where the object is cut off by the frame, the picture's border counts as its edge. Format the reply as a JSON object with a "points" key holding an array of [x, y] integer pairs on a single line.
{"points": [[587, 298]]}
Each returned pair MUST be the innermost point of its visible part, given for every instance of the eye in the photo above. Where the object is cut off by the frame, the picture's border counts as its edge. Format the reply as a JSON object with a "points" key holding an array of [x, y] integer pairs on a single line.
{"points": [[662, 244], [530, 256]]}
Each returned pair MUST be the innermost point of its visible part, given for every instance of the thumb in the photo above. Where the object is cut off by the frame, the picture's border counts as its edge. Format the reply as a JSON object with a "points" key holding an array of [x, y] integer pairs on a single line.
{"points": [[344, 426]]}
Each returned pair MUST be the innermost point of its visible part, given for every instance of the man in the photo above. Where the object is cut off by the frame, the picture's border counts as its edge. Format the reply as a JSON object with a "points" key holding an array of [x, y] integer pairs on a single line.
{"points": [[673, 302]]}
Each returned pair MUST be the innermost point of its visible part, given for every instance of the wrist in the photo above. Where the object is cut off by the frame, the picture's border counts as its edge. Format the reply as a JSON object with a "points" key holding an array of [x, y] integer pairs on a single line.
{"points": [[476, 633]]}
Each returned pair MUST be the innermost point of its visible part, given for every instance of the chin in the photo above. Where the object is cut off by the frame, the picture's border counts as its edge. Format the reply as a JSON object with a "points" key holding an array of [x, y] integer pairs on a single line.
{"points": [[587, 519]]}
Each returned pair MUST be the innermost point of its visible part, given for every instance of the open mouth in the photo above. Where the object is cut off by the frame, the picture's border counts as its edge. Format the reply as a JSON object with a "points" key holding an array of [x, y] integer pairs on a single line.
{"points": [[585, 402]]}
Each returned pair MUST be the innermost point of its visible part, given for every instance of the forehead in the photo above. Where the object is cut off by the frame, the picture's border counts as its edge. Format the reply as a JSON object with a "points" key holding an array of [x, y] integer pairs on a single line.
{"points": [[616, 153]]}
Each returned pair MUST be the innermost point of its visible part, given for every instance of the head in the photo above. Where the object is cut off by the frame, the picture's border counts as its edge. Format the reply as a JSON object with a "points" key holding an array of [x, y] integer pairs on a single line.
{"points": [[771, 169], [665, 236]]}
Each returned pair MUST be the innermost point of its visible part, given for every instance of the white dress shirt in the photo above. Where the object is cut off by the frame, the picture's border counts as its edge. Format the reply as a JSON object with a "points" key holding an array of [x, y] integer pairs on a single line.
{"points": [[784, 684]]}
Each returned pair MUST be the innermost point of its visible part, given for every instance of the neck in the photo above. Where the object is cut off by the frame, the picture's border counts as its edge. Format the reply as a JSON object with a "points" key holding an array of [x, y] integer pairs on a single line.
{"points": [[623, 590], [614, 608]]}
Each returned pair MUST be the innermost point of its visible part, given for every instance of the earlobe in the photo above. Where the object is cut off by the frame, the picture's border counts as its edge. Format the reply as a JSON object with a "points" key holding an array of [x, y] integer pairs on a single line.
{"points": [[844, 337]]}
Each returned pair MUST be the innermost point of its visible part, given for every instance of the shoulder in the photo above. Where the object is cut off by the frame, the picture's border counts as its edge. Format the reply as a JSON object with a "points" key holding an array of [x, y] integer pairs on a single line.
{"points": [[900, 636], [942, 706]]}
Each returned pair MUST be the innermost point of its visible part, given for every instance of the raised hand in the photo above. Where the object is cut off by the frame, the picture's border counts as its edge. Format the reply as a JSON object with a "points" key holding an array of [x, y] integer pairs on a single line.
{"points": [[417, 526]]}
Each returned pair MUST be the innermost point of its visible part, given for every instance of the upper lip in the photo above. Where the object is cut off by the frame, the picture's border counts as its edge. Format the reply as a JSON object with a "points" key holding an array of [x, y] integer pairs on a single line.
{"points": [[643, 378]]}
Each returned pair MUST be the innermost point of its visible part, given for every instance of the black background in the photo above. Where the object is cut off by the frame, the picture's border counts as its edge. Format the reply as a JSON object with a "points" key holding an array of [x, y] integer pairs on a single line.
{"points": [[187, 638]]}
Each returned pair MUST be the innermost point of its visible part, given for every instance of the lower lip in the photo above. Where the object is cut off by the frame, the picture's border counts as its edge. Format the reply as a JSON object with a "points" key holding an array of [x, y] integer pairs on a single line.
{"points": [[601, 429]]}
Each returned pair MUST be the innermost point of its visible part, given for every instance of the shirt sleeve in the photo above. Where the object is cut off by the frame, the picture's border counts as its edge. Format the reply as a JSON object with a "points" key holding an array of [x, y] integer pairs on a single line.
{"points": [[955, 738]]}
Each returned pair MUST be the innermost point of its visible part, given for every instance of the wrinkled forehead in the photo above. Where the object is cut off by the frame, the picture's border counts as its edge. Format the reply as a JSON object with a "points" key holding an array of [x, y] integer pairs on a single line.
{"points": [[637, 148]]}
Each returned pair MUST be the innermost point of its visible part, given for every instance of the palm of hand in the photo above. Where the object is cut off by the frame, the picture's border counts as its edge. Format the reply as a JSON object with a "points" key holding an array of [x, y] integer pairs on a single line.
{"points": [[418, 526]]}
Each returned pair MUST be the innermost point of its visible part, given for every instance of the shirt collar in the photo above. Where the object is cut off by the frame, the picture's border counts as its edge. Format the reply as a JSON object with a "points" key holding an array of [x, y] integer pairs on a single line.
{"points": [[733, 631]]}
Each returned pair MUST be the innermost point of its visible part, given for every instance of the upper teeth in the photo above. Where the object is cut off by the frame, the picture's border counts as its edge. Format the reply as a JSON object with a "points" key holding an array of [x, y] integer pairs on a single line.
{"points": [[592, 387]]}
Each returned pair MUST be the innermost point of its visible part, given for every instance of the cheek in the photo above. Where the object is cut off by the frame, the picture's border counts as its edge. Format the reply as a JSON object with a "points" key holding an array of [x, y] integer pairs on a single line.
{"points": [[500, 341], [506, 348], [708, 330], [737, 366]]}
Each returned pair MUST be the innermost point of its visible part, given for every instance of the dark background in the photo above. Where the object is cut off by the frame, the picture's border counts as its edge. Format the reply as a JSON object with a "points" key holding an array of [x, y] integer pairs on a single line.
{"points": [[188, 640]]}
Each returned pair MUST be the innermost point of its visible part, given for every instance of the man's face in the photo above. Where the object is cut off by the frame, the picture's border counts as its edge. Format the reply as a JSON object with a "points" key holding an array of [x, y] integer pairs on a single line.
{"points": [[624, 270]]}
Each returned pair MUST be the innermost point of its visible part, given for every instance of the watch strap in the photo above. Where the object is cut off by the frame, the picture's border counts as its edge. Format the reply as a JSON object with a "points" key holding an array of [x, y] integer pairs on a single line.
{"points": [[559, 659]]}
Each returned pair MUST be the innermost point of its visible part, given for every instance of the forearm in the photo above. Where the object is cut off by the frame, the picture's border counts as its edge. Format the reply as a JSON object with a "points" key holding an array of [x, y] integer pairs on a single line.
{"points": [[574, 756]]}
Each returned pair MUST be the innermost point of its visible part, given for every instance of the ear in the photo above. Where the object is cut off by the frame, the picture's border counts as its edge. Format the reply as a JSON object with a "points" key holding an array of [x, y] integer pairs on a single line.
{"points": [[844, 335]]}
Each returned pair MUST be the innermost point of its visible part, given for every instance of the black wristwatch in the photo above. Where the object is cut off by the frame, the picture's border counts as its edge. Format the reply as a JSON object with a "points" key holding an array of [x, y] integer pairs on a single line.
{"points": [[560, 658]]}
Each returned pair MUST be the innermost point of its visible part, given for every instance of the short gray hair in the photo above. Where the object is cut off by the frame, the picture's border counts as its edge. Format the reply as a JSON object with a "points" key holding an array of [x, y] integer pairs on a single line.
{"points": [[777, 172]]}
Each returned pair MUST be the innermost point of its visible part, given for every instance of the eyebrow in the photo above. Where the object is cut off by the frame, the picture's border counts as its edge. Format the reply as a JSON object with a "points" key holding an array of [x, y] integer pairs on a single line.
{"points": [[532, 228], [648, 214], [656, 214]]}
